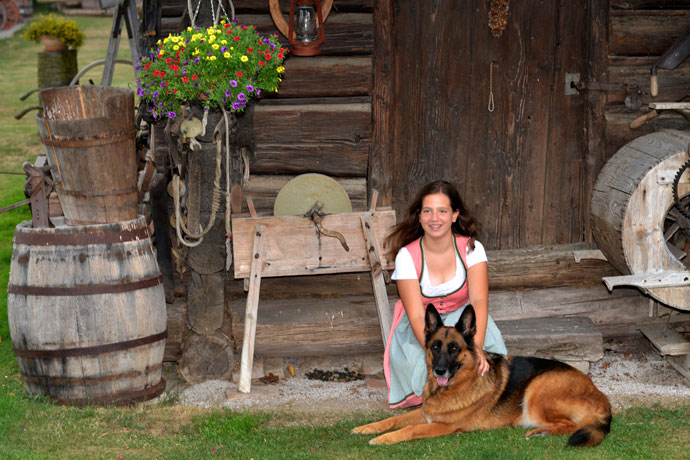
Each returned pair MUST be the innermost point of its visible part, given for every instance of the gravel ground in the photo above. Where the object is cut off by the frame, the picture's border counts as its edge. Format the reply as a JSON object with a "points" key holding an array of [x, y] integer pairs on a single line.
{"points": [[631, 374]]}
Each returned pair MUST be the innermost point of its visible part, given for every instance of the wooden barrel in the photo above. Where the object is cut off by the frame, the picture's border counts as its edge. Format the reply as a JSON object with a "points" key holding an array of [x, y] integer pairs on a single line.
{"points": [[87, 312], [89, 137], [630, 202]]}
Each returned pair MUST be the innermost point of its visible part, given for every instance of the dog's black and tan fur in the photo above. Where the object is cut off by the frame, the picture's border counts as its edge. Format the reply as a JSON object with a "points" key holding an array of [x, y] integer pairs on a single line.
{"points": [[549, 395]]}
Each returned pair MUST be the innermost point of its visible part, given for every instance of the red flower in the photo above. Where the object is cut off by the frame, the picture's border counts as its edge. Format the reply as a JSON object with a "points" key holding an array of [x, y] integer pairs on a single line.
{"points": [[249, 50], [239, 74], [174, 91], [156, 73], [261, 62], [226, 25], [194, 77], [162, 74], [168, 61], [185, 79], [280, 56], [237, 38], [148, 64], [228, 31], [268, 57]]}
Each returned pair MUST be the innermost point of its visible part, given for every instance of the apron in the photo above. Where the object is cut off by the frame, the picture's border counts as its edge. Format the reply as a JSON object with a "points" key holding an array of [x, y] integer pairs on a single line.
{"points": [[404, 361]]}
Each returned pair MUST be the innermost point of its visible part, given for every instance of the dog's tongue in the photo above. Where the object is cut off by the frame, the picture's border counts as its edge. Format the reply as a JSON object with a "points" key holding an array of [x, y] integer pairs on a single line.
{"points": [[442, 381]]}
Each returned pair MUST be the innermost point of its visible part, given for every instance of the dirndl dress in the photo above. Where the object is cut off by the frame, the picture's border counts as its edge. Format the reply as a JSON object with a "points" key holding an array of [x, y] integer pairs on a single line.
{"points": [[404, 360]]}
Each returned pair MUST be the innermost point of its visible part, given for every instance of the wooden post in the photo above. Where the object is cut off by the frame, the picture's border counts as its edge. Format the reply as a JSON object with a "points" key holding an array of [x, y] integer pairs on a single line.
{"points": [[252, 309], [380, 295]]}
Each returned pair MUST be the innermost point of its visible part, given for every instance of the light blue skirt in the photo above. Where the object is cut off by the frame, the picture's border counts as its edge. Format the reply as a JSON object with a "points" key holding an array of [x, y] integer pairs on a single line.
{"points": [[407, 357]]}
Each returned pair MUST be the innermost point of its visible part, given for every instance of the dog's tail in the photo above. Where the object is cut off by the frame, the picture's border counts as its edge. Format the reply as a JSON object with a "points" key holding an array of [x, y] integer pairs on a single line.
{"points": [[593, 433]]}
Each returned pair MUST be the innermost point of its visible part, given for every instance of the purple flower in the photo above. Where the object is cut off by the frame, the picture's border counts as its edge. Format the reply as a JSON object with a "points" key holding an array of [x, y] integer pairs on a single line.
{"points": [[140, 92], [258, 92], [162, 84], [228, 93], [250, 88], [241, 97], [233, 83], [196, 60], [171, 114], [209, 54], [235, 105], [223, 49], [196, 85], [155, 94]]}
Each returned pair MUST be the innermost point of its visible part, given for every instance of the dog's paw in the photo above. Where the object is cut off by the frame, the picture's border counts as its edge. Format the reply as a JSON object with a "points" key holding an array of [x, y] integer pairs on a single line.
{"points": [[384, 439], [364, 429]]}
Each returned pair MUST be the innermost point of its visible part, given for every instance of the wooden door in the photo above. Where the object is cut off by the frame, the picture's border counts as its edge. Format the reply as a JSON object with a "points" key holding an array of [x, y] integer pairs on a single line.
{"points": [[520, 167]]}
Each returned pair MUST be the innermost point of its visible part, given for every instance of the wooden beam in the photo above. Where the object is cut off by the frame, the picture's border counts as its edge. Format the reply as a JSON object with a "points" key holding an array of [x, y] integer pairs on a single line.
{"points": [[380, 153], [379, 286], [252, 309]]}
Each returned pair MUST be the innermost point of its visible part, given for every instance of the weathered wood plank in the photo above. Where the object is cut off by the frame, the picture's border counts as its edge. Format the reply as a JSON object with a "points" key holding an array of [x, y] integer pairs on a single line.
{"points": [[673, 85], [648, 4], [665, 338], [295, 247], [349, 325], [569, 339], [263, 190], [646, 34], [618, 132], [325, 76]]}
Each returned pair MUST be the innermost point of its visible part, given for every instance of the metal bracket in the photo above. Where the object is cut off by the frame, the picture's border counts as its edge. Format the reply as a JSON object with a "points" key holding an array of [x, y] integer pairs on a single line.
{"points": [[572, 80]]}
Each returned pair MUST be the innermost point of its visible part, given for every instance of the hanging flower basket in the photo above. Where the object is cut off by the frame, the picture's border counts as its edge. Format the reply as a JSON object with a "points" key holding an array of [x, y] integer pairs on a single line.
{"points": [[222, 66]]}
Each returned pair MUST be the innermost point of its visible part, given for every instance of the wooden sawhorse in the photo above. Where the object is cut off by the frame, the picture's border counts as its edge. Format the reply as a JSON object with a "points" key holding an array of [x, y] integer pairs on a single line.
{"points": [[292, 246]]}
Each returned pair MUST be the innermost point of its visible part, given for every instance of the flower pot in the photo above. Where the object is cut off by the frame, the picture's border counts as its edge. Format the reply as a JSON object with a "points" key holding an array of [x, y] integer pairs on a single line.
{"points": [[51, 43]]}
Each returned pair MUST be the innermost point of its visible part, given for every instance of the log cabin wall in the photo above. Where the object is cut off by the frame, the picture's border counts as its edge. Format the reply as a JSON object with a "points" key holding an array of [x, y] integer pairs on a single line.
{"points": [[640, 32], [389, 105]]}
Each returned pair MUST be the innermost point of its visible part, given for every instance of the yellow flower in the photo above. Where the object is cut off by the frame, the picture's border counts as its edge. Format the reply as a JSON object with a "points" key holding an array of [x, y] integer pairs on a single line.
{"points": [[176, 47], [244, 58], [213, 58], [215, 46], [195, 52], [280, 69], [224, 42], [226, 54], [211, 38]]}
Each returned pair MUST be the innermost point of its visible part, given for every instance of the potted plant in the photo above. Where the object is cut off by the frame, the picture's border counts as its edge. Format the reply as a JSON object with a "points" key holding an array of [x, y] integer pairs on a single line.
{"points": [[55, 33], [221, 66]]}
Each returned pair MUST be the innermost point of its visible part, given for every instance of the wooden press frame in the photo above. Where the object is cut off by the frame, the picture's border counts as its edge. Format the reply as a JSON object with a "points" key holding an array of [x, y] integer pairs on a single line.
{"points": [[292, 246]]}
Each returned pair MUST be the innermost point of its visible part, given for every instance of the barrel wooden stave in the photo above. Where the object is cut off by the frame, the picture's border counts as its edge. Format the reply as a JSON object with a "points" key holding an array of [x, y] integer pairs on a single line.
{"points": [[64, 324]]}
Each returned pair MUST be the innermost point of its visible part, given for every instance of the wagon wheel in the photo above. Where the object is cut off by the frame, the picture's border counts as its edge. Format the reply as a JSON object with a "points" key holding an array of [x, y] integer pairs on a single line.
{"points": [[12, 14]]}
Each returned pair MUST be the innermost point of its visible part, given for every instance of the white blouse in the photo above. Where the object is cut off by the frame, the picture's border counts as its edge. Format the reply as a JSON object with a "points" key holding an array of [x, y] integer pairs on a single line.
{"points": [[405, 270]]}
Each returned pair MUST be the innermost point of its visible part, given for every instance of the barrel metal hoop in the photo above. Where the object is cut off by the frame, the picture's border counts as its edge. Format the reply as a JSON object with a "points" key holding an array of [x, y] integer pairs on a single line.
{"points": [[85, 289], [95, 350], [113, 193], [124, 398], [79, 239], [49, 380], [88, 141]]}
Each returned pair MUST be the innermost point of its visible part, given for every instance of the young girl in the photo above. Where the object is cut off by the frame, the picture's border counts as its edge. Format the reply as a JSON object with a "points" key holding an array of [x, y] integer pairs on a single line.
{"points": [[438, 261]]}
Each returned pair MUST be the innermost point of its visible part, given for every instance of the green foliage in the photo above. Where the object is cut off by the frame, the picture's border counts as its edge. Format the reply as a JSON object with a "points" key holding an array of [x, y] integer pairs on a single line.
{"points": [[225, 65], [66, 30]]}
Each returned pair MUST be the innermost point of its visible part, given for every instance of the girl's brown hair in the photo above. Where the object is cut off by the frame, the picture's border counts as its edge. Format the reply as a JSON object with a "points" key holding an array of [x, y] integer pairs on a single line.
{"points": [[409, 229]]}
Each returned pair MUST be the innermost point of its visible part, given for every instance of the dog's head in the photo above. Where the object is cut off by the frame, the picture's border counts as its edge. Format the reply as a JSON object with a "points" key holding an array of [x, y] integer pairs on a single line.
{"points": [[449, 349]]}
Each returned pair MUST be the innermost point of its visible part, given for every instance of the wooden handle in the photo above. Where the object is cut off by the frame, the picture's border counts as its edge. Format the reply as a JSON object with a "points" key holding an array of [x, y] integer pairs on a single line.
{"points": [[653, 86], [639, 121]]}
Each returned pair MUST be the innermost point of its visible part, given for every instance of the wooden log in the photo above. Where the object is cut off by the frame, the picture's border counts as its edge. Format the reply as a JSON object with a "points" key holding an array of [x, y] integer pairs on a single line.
{"points": [[645, 33], [176, 313], [331, 139], [206, 303], [648, 4], [264, 189], [349, 325], [206, 357], [321, 76], [673, 85], [564, 339], [618, 132]]}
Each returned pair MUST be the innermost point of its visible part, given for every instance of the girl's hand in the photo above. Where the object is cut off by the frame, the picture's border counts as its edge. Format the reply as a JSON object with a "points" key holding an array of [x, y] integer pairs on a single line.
{"points": [[483, 367]]}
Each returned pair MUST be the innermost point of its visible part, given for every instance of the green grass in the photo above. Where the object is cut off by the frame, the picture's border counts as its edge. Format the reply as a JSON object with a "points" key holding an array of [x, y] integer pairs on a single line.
{"points": [[34, 428]]}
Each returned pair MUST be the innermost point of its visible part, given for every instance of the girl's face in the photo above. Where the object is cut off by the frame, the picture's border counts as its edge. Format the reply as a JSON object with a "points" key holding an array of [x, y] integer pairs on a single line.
{"points": [[436, 215]]}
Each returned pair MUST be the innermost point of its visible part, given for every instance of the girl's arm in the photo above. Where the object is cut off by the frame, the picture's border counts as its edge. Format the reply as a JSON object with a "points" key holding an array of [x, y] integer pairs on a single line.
{"points": [[478, 284], [411, 297]]}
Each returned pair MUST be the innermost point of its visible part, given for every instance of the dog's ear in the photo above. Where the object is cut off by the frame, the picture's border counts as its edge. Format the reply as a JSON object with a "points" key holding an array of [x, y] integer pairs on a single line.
{"points": [[432, 322], [467, 324]]}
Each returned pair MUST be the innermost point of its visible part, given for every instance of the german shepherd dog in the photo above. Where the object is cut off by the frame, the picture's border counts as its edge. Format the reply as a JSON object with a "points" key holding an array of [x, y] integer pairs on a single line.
{"points": [[551, 396]]}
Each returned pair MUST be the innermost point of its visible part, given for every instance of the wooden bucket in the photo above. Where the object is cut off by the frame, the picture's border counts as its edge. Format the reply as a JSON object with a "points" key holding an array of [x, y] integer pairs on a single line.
{"points": [[630, 201], [89, 137], [87, 312]]}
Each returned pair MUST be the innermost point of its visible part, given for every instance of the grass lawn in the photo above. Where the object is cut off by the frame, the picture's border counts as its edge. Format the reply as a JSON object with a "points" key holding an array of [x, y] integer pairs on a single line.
{"points": [[34, 428]]}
